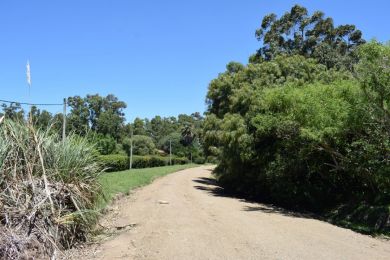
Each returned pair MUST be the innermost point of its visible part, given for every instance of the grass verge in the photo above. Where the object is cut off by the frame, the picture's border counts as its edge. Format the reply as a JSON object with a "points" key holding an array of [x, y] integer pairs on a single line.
{"points": [[124, 181]]}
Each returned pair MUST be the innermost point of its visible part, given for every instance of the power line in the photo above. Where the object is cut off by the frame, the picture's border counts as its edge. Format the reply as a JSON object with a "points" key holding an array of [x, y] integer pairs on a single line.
{"points": [[30, 104]]}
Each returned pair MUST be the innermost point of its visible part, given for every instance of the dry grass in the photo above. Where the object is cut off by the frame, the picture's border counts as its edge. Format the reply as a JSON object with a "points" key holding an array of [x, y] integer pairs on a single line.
{"points": [[47, 188]]}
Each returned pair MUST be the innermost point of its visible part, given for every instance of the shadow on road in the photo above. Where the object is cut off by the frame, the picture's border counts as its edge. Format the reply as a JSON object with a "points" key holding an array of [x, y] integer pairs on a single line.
{"points": [[271, 209], [207, 181], [211, 186]]}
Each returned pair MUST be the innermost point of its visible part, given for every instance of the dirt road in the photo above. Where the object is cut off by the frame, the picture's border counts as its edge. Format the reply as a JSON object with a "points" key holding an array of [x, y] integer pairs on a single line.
{"points": [[185, 216]]}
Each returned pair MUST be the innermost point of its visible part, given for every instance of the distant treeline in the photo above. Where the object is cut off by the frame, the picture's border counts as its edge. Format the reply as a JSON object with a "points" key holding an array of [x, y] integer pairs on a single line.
{"points": [[102, 121]]}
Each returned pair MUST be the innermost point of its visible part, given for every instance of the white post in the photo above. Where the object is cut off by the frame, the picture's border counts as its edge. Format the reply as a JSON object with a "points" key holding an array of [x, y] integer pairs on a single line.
{"points": [[64, 122], [170, 152], [131, 151]]}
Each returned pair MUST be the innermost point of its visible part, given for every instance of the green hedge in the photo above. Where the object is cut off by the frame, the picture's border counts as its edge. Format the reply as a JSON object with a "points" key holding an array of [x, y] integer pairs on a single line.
{"points": [[114, 162], [117, 162], [148, 161], [179, 160]]}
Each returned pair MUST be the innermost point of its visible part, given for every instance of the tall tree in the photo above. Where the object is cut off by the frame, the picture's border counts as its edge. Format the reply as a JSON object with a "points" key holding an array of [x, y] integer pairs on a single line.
{"points": [[78, 118], [95, 107], [297, 32], [101, 114]]}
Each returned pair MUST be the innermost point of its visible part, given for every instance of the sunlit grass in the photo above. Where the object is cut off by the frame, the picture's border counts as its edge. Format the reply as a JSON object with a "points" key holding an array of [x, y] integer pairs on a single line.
{"points": [[124, 181]]}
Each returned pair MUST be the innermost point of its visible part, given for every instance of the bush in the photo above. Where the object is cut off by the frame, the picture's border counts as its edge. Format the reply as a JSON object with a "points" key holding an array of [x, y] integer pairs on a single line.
{"points": [[142, 145], [179, 160], [199, 160], [148, 161], [117, 162], [114, 162], [156, 161], [106, 144], [48, 181]]}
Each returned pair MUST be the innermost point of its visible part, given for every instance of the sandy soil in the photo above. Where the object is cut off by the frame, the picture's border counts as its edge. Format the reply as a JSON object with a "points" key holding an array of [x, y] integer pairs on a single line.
{"points": [[186, 216]]}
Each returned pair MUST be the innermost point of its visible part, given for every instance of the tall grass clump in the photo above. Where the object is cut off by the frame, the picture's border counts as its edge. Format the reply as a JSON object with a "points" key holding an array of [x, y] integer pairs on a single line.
{"points": [[47, 190]]}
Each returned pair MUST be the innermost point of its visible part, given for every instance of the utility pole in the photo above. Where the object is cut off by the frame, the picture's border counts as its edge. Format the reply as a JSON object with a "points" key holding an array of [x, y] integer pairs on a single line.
{"points": [[131, 150], [170, 152], [64, 122], [28, 74]]}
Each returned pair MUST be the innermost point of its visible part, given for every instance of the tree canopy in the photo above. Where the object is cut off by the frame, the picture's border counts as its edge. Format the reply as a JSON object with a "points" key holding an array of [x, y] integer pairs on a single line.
{"points": [[316, 36], [306, 123]]}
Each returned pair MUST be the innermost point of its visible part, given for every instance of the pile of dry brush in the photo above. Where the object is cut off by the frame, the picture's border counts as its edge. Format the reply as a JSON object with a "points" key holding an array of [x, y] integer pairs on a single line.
{"points": [[48, 189]]}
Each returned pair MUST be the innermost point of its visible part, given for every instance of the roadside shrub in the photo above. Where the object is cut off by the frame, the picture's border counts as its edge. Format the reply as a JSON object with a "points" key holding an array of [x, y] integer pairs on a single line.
{"points": [[141, 161], [114, 162], [105, 144], [156, 161], [148, 161], [179, 160], [48, 189], [199, 160]]}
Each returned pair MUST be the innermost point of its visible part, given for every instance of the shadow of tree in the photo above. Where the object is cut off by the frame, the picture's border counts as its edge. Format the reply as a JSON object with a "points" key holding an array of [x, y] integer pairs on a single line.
{"points": [[271, 209], [211, 186], [207, 181]]}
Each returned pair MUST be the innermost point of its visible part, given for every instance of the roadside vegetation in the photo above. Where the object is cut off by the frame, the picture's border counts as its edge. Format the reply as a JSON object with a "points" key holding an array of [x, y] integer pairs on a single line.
{"points": [[306, 124], [52, 191], [47, 190]]}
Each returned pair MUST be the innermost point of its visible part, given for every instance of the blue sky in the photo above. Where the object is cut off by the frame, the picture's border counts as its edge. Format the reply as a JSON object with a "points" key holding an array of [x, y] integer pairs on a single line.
{"points": [[157, 56]]}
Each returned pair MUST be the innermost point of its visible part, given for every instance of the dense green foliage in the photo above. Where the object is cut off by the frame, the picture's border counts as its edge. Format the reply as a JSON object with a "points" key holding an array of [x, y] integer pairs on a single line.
{"points": [[294, 130], [119, 162], [104, 144], [142, 145], [114, 162]]}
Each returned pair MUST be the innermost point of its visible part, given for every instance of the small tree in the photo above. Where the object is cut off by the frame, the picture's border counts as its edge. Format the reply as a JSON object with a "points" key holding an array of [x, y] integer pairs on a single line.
{"points": [[106, 144], [173, 140], [142, 145], [187, 137]]}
